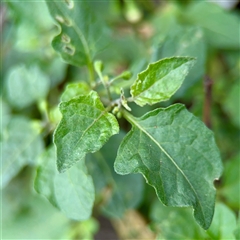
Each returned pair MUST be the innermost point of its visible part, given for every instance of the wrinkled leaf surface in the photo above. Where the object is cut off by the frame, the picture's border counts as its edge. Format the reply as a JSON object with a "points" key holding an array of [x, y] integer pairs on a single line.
{"points": [[170, 147], [85, 127], [74, 89], [160, 80]]}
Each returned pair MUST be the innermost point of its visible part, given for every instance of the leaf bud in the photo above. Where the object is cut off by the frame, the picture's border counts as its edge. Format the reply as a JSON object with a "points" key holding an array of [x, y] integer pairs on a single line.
{"points": [[98, 66], [119, 115], [115, 110]]}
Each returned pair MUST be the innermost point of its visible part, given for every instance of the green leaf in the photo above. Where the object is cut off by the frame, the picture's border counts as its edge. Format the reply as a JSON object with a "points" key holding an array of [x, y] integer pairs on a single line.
{"points": [[26, 86], [75, 89], [85, 127], [26, 215], [46, 175], [21, 145], [30, 13], [124, 192], [224, 223], [82, 31], [127, 194], [185, 41], [231, 103], [177, 155], [33, 30], [160, 80], [216, 21], [72, 192], [57, 70], [174, 223], [230, 181]]}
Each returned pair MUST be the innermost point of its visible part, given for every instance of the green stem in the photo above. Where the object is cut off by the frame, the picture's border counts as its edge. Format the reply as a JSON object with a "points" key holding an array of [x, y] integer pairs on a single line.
{"points": [[106, 85], [91, 72], [126, 75], [108, 91], [130, 99], [43, 108], [114, 79], [129, 117]]}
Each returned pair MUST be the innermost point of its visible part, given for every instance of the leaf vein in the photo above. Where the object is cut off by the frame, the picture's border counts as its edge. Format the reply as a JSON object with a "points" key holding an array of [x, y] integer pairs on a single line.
{"points": [[167, 154]]}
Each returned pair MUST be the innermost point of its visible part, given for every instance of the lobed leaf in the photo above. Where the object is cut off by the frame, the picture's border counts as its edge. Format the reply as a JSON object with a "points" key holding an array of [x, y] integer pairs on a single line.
{"points": [[171, 147], [82, 32], [160, 80], [85, 127]]}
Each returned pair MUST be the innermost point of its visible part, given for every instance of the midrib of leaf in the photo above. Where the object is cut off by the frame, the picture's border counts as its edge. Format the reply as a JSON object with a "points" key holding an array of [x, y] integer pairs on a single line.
{"points": [[92, 124], [151, 84], [154, 82], [131, 120], [80, 35]]}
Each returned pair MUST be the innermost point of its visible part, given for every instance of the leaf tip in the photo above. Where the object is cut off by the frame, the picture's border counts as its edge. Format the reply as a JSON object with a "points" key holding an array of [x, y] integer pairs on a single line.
{"points": [[60, 167]]}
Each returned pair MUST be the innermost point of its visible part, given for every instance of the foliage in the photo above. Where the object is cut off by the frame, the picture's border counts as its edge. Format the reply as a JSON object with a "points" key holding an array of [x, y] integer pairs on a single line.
{"points": [[88, 97]]}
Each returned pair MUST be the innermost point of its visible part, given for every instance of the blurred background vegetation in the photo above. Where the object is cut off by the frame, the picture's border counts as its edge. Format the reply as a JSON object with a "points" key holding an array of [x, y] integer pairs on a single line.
{"points": [[33, 78]]}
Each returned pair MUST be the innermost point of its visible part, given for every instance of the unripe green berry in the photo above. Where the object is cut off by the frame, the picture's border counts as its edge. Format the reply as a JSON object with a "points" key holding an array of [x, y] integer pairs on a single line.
{"points": [[126, 75]]}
